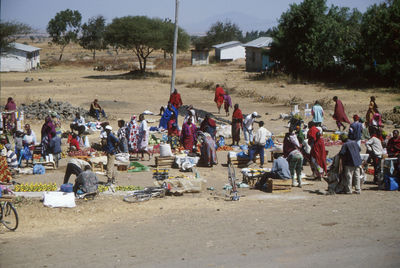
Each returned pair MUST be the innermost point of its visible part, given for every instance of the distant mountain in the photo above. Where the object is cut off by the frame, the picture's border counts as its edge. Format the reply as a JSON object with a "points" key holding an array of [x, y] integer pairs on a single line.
{"points": [[244, 21]]}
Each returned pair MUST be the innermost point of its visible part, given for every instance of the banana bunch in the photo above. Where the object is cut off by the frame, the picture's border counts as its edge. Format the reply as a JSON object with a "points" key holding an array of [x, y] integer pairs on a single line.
{"points": [[102, 188], [35, 187], [128, 188]]}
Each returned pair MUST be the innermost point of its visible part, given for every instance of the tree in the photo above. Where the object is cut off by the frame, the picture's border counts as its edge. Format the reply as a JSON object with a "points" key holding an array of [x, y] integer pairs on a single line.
{"points": [[64, 28], [9, 32], [220, 32], [93, 35], [140, 34], [249, 36], [168, 40]]}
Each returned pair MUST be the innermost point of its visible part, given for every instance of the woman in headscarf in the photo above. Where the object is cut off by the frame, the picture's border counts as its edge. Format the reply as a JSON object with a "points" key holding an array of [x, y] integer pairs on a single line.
{"points": [[318, 157], [208, 152], [209, 126], [48, 132], [167, 115], [372, 109], [133, 130], [227, 103], [339, 114], [143, 139], [237, 124], [9, 119], [173, 132], [189, 135]]}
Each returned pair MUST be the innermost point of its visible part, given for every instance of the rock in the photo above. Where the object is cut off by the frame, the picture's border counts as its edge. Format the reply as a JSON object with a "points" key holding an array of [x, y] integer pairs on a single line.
{"points": [[283, 86], [388, 122], [51, 81], [40, 79], [27, 80]]}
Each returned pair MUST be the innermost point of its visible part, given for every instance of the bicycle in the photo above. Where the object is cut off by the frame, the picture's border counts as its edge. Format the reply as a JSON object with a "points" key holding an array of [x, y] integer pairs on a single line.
{"points": [[145, 195], [8, 214], [233, 194]]}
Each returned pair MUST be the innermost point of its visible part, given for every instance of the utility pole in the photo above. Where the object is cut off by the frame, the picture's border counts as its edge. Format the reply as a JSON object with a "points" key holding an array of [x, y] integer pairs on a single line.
{"points": [[175, 47]]}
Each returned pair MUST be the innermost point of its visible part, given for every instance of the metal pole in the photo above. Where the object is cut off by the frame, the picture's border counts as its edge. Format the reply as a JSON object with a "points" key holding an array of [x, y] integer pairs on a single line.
{"points": [[175, 47]]}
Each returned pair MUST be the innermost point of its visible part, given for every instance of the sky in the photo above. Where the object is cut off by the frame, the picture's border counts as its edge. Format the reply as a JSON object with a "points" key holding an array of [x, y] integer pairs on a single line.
{"points": [[195, 16]]}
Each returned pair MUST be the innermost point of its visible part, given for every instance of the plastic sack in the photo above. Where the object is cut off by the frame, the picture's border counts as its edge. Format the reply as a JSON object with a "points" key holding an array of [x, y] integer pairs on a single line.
{"points": [[244, 147], [221, 141], [242, 155], [224, 131], [391, 183], [269, 143], [39, 169], [59, 200]]}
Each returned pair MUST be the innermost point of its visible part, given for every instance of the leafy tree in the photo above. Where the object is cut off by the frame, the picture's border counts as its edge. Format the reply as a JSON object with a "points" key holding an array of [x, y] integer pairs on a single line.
{"points": [[93, 35], [64, 28], [380, 46], [220, 32], [249, 36], [140, 34], [168, 42], [9, 32]]}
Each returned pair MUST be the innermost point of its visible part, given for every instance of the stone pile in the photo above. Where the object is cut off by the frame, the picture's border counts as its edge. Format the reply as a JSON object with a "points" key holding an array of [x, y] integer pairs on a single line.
{"points": [[39, 110]]}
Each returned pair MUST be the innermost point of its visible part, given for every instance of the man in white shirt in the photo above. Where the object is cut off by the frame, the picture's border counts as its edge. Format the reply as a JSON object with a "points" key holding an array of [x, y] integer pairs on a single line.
{"points": [[30, 136], [248, 127], [375, 151], [259, 143], [78, 124]]}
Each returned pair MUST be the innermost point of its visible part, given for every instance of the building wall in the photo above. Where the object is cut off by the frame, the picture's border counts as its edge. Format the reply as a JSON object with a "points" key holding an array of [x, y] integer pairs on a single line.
{"points": [[18, 61], [200, 57], [233, 53], [254, 61]]}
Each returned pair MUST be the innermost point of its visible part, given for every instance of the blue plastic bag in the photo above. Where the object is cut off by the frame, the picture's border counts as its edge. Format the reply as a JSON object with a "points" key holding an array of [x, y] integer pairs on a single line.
{"points": [[269, 143], [242, 155], [391, 183], [221, 141], [244, 147], [39, 169]]}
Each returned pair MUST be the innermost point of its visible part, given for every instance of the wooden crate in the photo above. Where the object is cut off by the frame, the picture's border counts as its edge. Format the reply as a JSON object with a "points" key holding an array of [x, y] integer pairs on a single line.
{"points": [[241, 162], [164, 161], [278, 186]]}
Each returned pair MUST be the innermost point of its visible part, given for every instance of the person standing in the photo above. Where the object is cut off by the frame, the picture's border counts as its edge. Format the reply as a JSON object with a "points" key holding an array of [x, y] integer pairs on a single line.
{"points": [[189, 135], [350, 164], [219, 97], [121, 134], [175, 99], [9, 119], [339, 114], [111, 145], [318, 114], [260, 140], [318, 157], [143, 141], [133, 134], [375, 151], [237, 124], [227, 103], [248, 127], [355, 130], [291, 150], [372, 110]]}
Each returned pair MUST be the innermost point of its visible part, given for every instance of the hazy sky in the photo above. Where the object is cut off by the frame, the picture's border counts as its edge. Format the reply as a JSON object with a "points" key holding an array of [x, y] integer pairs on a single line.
{"points": [[194, 15]]}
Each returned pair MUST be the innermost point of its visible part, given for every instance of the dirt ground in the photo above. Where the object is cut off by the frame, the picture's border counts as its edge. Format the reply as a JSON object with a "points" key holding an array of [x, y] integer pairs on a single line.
{"points": [[301, 228]]}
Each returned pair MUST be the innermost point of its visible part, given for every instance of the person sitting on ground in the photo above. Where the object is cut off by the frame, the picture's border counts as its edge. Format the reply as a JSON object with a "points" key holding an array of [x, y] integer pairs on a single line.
{"points": [[78, 124], [219, 97], [175, 99], [75, 166], [393, 146], [280, 170], [260, 140], [209, 126], [12, 159], [355, 130], [96, 110], [375, 151], [291, 150], [248, 127], [318, 114], [74, 143], [350, 164], [227, 102], [30, 136], [122, 134], [86, 182], [339, 114]]}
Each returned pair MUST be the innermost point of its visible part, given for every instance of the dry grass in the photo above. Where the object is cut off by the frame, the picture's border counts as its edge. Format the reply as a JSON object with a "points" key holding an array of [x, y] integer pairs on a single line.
{"points": [[293, 101], [251, 93], [204, 85]]}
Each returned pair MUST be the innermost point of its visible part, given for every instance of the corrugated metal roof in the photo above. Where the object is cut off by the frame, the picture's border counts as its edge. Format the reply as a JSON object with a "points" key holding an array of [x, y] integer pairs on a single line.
{"points": [[23, 47], [260, 42], [228, 44]]}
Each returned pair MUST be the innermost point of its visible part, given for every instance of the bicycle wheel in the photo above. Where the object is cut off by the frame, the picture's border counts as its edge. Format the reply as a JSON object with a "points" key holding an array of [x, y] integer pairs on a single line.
{"points": [[9, 216], [137, 197]]}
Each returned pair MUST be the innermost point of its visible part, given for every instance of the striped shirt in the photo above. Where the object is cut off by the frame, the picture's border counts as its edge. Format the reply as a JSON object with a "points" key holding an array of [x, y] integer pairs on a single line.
{"points": [[12, 160]]}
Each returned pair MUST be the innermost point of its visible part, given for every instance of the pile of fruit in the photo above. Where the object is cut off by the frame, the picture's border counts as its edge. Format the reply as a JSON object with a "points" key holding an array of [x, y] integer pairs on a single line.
{"points": [[225, 148], [85, 152], [102, 188], [35, 187], [128, 188]]}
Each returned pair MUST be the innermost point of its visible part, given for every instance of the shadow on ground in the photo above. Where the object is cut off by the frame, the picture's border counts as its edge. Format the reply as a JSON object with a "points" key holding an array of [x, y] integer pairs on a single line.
{"points": [[132, 75]]}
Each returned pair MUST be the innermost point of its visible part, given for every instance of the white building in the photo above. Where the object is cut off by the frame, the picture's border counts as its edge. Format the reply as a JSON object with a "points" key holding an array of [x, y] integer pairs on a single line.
{"points": [[229, 51], [257, 54], [20, 58]]}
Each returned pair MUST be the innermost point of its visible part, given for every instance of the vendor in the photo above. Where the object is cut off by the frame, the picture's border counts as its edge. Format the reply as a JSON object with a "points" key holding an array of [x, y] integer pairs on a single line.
{"points": [[78, 124], [75, 166], [208, 152], [280, 168], [74, 143], [29, 137], [260, 140], [393, 146], [12, 159], [86, 181], [248, 127], [209, 126], [96, 110]]}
